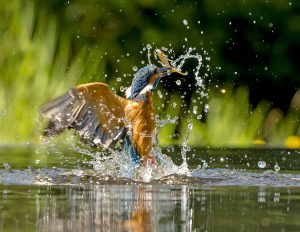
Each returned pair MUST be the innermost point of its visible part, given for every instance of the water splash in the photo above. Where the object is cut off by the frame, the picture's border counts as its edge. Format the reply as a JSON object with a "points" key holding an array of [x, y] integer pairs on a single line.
{"points": [[6, 166], [118, 164], [161, 123], [114, 162], [181, 60], [185, 149]]}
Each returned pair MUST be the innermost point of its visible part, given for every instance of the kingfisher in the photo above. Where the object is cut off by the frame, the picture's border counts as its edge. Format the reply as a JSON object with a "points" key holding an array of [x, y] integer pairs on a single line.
{"points": [[100, 116]]}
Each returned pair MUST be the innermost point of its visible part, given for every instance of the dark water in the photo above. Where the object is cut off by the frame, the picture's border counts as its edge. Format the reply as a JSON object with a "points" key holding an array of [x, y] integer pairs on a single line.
{"points": [[224, 191], [149, 208]]}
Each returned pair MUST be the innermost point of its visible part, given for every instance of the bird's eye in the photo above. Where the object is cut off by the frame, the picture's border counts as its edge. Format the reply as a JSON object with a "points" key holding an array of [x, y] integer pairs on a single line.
{"points": [[156, 71]]}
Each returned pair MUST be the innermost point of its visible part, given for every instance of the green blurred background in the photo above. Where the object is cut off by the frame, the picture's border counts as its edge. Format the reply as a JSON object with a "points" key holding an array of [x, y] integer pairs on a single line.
{"points": [[251, 64]]}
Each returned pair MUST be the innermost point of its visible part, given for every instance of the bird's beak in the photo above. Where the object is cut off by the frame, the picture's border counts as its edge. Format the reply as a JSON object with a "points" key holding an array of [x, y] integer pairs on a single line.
{"points": [[166, 71]]}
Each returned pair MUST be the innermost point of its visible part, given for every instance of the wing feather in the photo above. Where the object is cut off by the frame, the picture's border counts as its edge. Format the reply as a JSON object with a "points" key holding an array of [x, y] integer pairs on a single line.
{"points": [[94, 111]]}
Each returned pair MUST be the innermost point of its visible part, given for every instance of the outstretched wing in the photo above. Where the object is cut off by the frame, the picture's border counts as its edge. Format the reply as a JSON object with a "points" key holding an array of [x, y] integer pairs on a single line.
{"points": [[93, 110]]}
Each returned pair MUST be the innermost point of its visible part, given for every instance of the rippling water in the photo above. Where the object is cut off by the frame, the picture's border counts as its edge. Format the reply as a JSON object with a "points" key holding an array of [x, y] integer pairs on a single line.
{"points": [[151, 207], [211, 167], [207, 177], [216, 190]]}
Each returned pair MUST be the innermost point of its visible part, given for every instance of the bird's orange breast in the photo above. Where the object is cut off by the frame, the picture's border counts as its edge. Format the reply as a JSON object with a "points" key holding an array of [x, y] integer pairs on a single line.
{"points": [[141, 121]]}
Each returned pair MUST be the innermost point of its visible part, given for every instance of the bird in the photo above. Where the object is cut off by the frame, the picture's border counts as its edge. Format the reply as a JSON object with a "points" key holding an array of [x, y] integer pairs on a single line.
{"points": [[100, 117]]}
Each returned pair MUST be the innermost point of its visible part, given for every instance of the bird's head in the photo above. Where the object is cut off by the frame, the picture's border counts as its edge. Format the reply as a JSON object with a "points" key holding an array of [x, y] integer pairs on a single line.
{"points": [[147, 78]]}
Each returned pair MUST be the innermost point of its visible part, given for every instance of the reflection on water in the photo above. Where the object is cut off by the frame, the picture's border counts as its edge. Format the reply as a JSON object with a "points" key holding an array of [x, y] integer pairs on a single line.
{"points": [[226, 190], [149, 208]]}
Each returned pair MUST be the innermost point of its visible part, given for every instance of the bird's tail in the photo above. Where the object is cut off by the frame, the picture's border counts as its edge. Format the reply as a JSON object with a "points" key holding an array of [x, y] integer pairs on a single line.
{"points": [[128, 147]]}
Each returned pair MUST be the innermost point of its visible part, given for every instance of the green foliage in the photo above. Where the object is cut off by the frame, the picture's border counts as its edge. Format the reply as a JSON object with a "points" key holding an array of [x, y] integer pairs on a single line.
{"points": [[49, 46], [35, 67], [241, 36], [231, 122], [279, 128]]}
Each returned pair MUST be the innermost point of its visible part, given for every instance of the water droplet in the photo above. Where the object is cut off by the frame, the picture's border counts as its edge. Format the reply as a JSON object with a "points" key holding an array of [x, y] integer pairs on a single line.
{"points": [[3, 112], [185, 22], [195, 109], [37, 161], [178, 82], [122, 88], [159, 94], [190, 126], [6, 166], [174, 104], [148, 46], [276, 167], [134, 68], [37, 151], [205, 164], [199, 116], [119, 79], [261, 164], [206, 108]]}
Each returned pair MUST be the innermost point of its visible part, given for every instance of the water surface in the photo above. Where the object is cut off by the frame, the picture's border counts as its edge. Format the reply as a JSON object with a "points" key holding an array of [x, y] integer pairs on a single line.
{"points": [[149, 207], [225, 190]]}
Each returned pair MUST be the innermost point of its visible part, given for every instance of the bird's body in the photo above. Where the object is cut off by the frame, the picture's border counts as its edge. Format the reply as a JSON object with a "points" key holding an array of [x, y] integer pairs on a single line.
{"points": [[141, 119], [100, 116]]}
